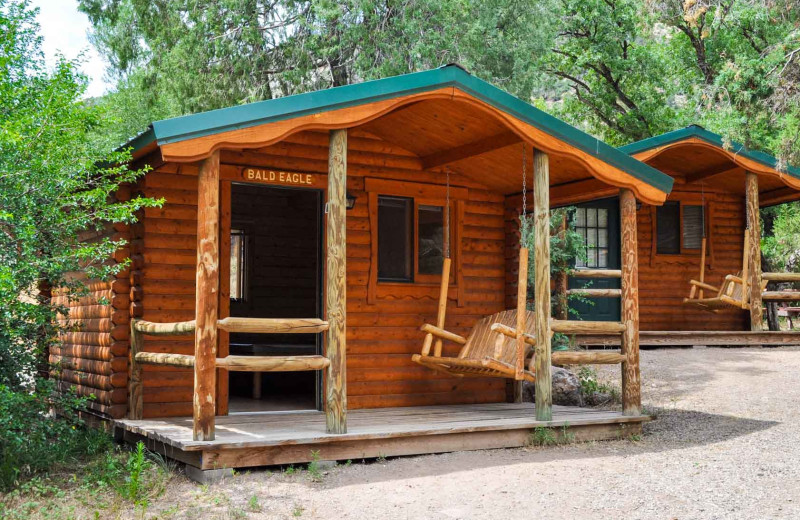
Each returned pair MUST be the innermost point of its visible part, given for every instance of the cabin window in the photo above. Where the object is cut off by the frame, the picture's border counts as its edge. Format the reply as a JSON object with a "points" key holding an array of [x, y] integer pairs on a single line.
{"points": [[668, 225], [238, 264], [407, 237], [430, 245], [592, 223], [400, 219], [395, 233], [679, 228], [693, 225]]}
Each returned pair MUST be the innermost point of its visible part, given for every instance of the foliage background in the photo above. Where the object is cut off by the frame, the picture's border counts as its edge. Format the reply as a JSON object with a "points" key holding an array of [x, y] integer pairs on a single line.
{"points": [[622, 70]]}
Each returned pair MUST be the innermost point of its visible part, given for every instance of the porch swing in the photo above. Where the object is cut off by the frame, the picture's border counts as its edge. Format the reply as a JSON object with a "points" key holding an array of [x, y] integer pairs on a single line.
{"points": [[733, 292], [493, 348]]}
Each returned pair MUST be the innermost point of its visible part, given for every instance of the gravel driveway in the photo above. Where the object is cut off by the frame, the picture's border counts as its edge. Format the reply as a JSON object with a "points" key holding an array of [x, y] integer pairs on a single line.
{"points": [[726, 445]]}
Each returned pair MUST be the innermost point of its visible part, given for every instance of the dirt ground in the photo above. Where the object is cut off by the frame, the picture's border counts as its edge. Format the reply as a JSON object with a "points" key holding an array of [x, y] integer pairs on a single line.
{"points": [[725, 445]]}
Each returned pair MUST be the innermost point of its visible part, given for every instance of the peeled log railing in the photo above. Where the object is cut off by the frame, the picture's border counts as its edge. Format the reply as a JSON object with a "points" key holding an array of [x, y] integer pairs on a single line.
{"points": [[141, 328], [781, 296], [575, 327]]}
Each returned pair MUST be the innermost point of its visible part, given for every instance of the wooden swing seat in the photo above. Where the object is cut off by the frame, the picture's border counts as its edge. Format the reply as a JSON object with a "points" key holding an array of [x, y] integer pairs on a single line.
{"points": [[729, 294], [733, 291], [486, 352]]}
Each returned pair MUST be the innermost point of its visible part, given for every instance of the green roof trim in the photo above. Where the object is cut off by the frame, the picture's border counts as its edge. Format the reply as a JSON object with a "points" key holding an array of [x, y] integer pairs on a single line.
{"points": [[709, 137], [262, 112]]}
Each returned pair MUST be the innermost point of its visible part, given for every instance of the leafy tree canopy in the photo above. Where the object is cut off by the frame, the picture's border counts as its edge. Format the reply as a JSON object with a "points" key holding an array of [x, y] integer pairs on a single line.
{"points": [[53, 190], [621, 69]]}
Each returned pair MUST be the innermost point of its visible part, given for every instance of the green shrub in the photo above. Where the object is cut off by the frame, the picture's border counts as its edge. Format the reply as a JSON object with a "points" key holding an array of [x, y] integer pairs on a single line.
{"points": [[34, 439]]}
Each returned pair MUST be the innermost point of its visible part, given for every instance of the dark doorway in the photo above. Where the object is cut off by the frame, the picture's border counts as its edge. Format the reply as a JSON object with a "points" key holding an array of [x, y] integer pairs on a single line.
{"points": [[598, 222], [275, 273]]}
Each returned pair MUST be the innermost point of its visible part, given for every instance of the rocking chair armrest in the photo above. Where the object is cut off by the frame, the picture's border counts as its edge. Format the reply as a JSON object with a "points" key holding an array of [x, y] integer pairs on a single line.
{"points": [[703, 285], [734, 278], [441, 333], [511, 332]]}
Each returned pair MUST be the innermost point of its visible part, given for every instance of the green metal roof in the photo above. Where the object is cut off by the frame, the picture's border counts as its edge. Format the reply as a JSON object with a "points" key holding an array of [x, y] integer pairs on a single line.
{"points": [[252, 114], [699, 132]]}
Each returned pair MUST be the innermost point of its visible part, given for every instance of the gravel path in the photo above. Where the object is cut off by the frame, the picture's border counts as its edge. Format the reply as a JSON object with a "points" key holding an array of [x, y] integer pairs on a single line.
{"points": [[725, 445]]}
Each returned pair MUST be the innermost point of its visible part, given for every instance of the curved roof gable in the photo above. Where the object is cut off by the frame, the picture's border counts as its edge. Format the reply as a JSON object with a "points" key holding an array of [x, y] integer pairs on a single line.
{"points": [[240, 117], [735, 150]]}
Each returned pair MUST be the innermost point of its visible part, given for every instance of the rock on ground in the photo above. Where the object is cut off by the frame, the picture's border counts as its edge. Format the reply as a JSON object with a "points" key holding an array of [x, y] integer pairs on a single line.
{"points": [[566, 388]]}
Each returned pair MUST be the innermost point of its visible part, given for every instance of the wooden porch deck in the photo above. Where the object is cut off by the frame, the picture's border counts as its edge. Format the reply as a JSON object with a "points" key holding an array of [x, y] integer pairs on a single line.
{"points": [[689, 338], [263, 439]]}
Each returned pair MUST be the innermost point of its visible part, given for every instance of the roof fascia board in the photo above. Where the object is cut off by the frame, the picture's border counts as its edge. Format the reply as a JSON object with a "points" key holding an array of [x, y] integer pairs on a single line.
{"points": [[289, 107], [243, 116], [710, 137]]}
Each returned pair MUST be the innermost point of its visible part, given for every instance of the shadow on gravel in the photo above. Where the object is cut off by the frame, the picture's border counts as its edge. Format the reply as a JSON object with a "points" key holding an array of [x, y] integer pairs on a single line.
{"points": [[673, 429], [686, 428]]}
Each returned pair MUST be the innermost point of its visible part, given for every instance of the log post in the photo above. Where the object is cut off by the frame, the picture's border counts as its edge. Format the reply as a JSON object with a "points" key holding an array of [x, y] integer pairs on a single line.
{"points": [[135, 398], [336, 286], [206, 299], [522, 314], [631, 383], [754, 251], [541, 223]]}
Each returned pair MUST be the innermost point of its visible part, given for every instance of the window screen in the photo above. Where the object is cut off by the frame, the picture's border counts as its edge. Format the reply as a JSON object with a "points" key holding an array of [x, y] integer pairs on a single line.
{"points": [[430, 246], [668, 229], [395, 238], [238, 264], [592, 223], [693, 224]]}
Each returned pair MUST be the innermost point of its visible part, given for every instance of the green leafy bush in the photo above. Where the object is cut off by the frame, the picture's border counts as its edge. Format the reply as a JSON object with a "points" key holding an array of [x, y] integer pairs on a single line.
{"points": [[40, 430]]}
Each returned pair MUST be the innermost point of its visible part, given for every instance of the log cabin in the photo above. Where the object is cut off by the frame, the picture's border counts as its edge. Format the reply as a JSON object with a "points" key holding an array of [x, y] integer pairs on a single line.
{"points": [[274, 303], [707, 230]]}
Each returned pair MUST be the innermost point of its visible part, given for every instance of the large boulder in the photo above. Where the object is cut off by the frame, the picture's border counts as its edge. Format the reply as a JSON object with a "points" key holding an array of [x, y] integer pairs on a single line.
{"points": [[566, 388]]}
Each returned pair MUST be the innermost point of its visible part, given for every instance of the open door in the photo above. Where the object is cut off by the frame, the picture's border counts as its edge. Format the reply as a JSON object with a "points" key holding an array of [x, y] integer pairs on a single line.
{"points": [[275, 272]]}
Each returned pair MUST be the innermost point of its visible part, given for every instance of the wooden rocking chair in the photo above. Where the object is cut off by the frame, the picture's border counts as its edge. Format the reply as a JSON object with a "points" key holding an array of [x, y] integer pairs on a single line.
{"points": [[497, 345], [486, 352], [493, 347], [732, 293]]}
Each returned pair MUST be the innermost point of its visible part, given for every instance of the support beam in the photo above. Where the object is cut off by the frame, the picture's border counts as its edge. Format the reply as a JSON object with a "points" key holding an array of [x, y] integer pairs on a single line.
{"points": [[522, 314], [779, 196], [631, 383], [135, 391], [541, 225], [711, 172], [206, 299], [336, 285], [754, 251], [459, 153], [584, 190]]}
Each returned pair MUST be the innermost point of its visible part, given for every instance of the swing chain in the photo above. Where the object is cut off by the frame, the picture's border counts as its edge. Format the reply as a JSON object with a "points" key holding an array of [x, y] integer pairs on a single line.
{"points": [[524, 187], [703, 205]]}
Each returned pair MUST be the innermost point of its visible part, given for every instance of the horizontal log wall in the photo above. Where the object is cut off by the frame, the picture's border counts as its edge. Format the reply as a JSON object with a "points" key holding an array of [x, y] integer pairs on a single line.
{"points": [[91, 356], [664, 280], [380, 338]]}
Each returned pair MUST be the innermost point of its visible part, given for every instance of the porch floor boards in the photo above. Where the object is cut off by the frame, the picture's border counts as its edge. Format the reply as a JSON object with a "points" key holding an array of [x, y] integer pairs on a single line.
{"points": [[283, 437], [688, 338]]}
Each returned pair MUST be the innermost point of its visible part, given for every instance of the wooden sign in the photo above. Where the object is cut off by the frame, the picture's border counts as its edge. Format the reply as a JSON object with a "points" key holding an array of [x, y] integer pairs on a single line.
{"points": [[281, 178]]}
